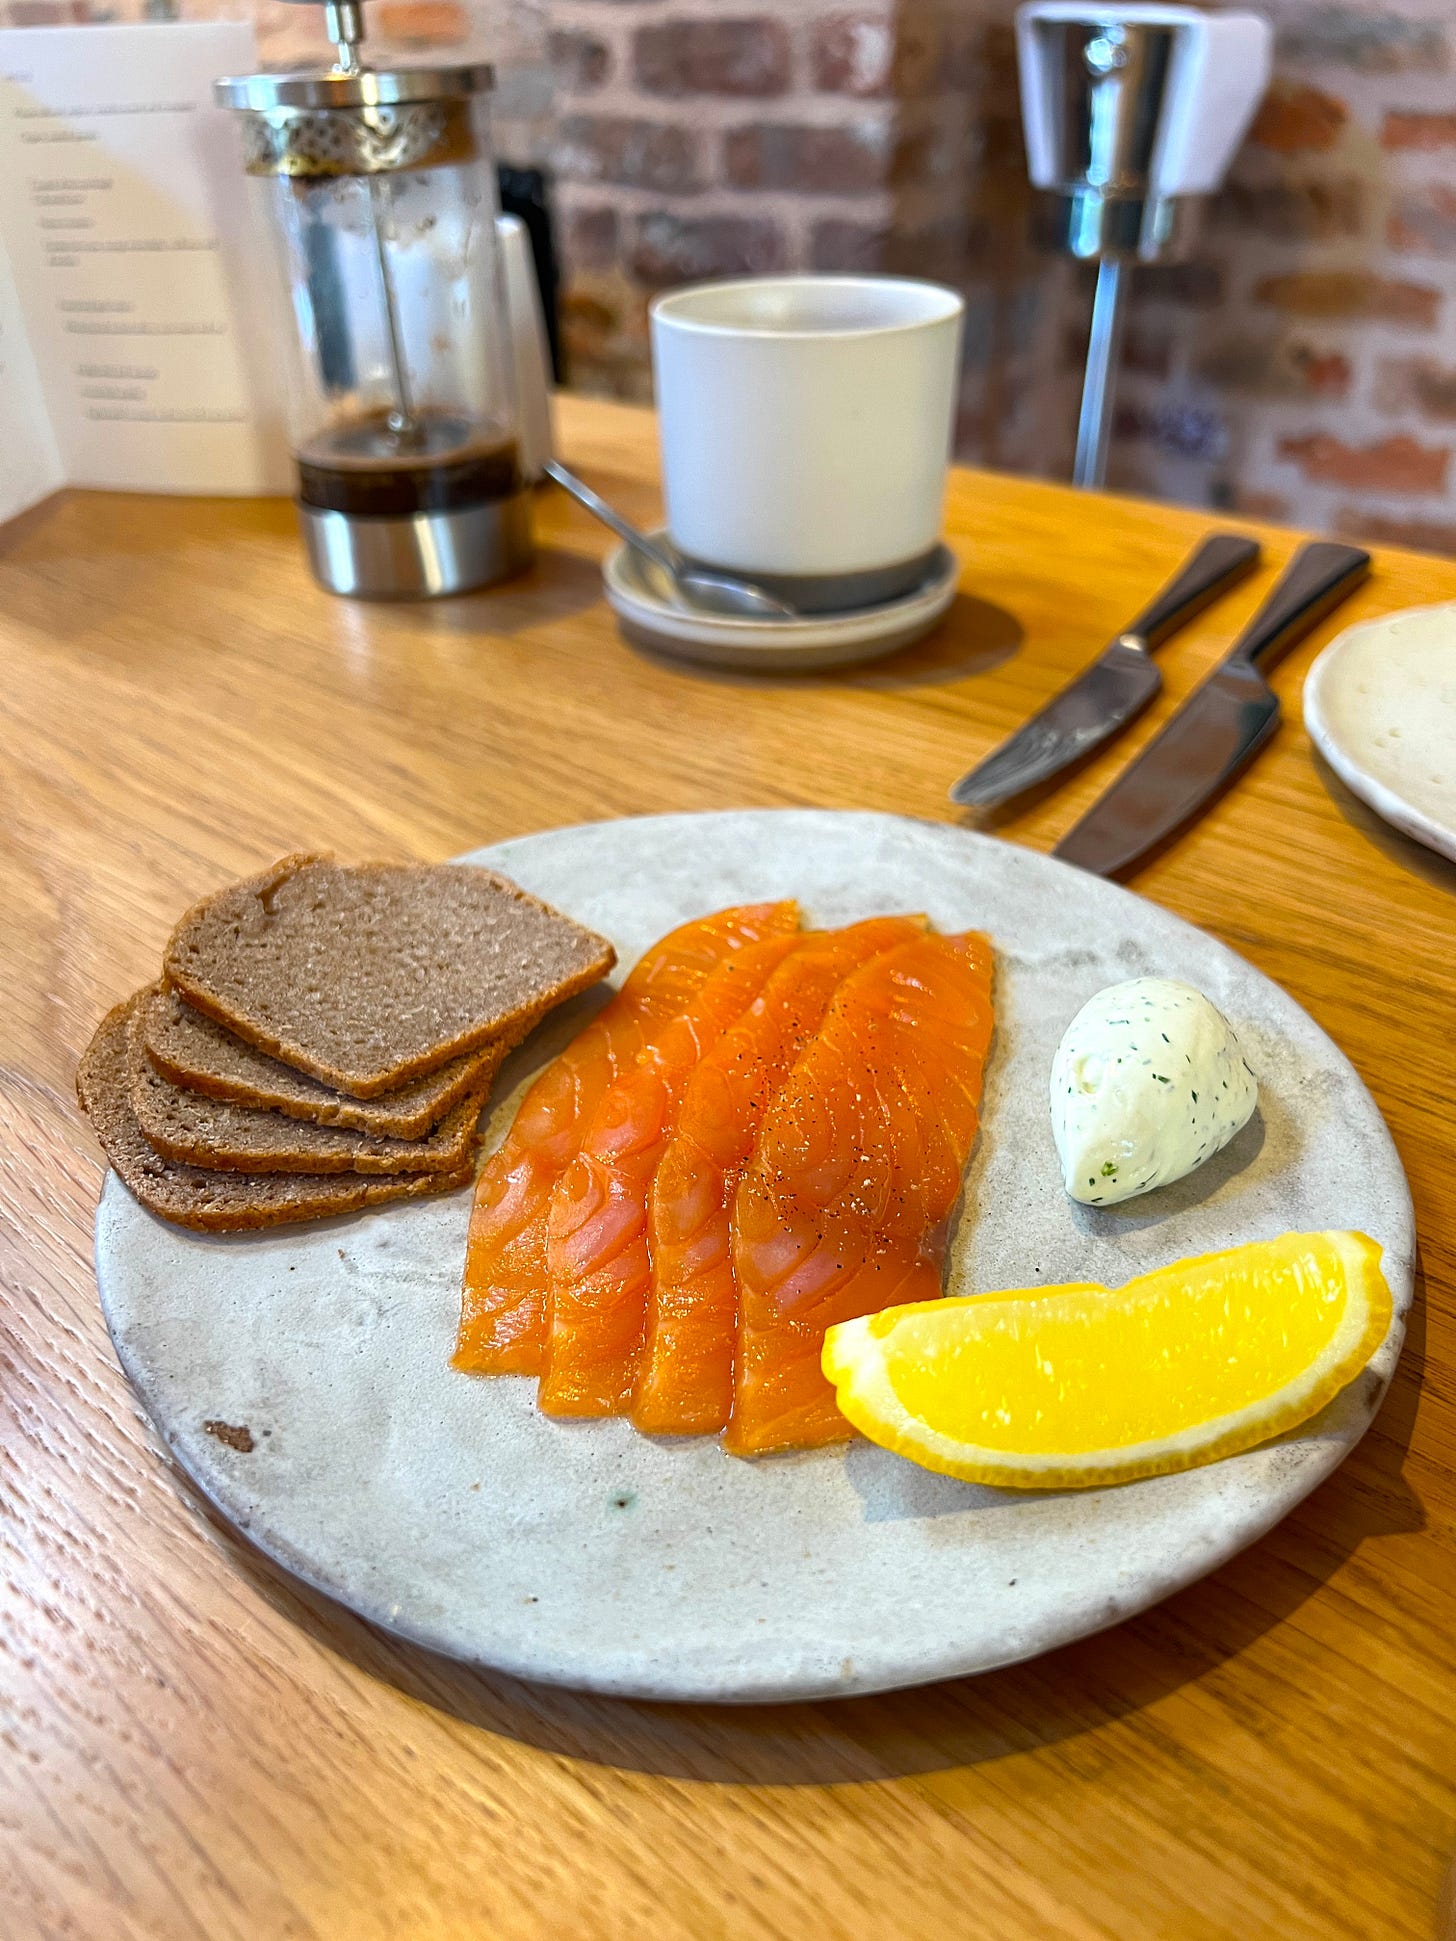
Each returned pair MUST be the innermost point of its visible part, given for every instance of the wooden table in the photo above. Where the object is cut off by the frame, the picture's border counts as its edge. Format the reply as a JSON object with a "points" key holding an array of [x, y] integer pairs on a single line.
{"points": [[194, 1746]]}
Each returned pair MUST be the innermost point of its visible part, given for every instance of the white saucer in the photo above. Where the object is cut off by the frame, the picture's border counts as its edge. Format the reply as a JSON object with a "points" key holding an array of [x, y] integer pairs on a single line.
{"points": [[787, 646], [1380, 705]]}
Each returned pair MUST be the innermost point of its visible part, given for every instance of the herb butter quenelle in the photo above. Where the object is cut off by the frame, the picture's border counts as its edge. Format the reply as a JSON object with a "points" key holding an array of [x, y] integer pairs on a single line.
{"points": [[1147, 1084]]}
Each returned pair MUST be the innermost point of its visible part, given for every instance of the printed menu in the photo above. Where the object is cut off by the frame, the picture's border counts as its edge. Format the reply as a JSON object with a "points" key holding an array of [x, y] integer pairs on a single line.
{"points": [[133, 326]]}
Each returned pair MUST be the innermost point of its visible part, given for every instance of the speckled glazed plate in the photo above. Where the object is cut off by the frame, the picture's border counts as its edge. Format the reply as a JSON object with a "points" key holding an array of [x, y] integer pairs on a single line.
{"points": [[1380, 705], [303, 1379]]}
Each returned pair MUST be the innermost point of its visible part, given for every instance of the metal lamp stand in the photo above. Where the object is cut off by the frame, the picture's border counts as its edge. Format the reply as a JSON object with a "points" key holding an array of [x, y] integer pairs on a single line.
{"points": [[1110, 102], [1104, 348]]}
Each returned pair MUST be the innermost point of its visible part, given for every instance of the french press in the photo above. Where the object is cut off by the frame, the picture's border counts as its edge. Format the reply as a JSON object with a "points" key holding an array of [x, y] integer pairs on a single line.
{"points": [[380, 194]]}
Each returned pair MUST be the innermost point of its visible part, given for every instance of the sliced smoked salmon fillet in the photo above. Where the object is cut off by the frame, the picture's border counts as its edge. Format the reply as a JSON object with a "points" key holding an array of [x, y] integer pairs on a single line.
{"points": [[842, 1209], [503, 1302], [598, 1255], [685, 1377]]}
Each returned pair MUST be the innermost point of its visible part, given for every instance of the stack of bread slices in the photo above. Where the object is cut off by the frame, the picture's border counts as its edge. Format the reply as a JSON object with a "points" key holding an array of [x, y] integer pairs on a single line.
{"points": [[324, 1037]]}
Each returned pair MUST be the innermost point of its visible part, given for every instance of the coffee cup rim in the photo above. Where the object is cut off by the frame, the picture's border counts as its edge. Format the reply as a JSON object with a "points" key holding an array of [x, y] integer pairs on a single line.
{"points": [[674, 308]]}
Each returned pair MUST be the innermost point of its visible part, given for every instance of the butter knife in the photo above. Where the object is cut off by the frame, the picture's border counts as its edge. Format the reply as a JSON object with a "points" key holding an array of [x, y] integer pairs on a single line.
{"points": [[1220, 727], [1115, 688]]}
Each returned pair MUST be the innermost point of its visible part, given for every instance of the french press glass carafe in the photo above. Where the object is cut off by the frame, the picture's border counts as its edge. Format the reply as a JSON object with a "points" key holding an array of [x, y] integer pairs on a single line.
{"points": [[379, 185]]}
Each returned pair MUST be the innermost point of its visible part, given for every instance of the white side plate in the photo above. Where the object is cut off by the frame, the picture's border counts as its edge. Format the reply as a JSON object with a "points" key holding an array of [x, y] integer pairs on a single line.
{"points": [[1380, 705]]}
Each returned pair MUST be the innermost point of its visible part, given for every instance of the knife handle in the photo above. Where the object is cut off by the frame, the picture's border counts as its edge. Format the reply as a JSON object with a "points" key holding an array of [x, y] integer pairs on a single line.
{"points": [[1219, 563], [1314, 582]]}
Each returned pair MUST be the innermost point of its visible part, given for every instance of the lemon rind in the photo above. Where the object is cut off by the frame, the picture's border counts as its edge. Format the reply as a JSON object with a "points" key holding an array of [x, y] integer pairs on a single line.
{"points": [[855, 1362]]}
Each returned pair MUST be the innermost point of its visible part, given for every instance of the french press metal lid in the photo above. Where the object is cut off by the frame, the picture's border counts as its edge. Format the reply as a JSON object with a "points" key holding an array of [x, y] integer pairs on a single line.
{"points": [[379, 188]]}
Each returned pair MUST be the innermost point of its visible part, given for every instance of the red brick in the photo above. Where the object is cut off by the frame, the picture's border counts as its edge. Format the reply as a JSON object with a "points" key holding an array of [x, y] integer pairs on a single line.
{"points": [[1182, 430], [989, 317], [1421, 535], [974, 433], [1397, 464], [846, 247], [1417, 384], [1274, 367], [1295, 119], [1293, 211], [938, 250], [1194, 286], [933, 145], [669, 248], [1372, 40], [1425, 222], [1418, 131], [854, 53], [732, 57], [836, 161], [422, 23], [1146, 348], [1254, 503], [1350, 293], [579, 61], [978, 58], [1002, 150], [1326, 373], [589, 240], [636, 154], [874, 55]]}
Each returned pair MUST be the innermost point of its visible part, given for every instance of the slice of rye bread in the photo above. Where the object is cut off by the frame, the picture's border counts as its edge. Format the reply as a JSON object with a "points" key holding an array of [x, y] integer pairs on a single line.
{"points": [[369, 977], [201, 1056], [228, 1138], [188, 1196]]}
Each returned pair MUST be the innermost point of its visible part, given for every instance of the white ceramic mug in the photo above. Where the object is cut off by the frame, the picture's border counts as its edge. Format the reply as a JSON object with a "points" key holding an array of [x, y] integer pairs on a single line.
{"points": [[806, 425]]}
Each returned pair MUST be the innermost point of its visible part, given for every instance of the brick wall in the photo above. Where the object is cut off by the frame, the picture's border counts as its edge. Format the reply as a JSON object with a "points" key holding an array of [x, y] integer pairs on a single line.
{"points": [[1309, 371], [1301, 366], [702, 138]]}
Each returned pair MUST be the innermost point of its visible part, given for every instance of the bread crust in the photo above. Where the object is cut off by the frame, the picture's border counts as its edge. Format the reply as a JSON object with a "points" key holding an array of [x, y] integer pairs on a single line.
{"points": [[199, 1131], [215, 1202], [200, 1056]]}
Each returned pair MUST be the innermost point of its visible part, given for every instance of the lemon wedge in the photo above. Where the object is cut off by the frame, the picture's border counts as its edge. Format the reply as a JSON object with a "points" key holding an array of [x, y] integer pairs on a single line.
{"points": [[1070, 1387]]}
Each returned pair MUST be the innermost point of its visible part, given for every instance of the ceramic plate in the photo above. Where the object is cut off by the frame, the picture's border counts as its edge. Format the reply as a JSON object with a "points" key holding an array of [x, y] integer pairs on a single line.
{"points": [[774, 646], [1380, 705], [302, 1377]]}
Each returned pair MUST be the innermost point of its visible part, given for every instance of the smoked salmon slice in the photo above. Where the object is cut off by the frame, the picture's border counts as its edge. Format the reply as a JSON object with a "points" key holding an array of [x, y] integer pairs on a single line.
{"points": [[598, 1255], [685, 1377], [503, 1303], [842, 1209]]}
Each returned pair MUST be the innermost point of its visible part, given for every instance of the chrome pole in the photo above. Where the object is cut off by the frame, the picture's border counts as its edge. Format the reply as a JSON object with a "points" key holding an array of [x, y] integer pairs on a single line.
{"points": [[1094, 426]]}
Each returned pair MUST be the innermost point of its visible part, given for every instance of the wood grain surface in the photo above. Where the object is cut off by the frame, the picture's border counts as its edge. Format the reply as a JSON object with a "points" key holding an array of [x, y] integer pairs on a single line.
{"points": [[193, 1746]]}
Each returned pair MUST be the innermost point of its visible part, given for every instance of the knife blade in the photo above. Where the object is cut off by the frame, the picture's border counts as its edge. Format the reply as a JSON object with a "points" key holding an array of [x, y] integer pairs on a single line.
{"points": [[1220, 727], [1115, 688]]}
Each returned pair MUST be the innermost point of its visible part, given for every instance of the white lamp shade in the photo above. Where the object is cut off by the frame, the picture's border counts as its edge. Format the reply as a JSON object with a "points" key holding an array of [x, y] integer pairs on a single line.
{"points": [[1217, 75]]}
